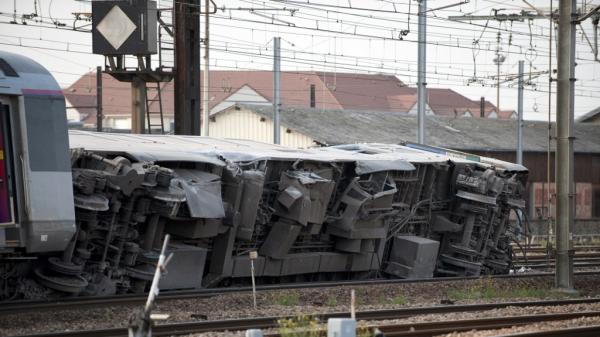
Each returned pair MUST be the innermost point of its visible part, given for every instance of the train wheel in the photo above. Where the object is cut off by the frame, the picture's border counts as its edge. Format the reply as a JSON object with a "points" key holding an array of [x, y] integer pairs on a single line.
{"points": [[73, 284]]}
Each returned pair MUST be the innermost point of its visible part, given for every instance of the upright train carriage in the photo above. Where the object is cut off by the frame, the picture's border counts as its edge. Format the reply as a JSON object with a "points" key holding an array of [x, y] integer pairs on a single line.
{"points": [[85, 213]]}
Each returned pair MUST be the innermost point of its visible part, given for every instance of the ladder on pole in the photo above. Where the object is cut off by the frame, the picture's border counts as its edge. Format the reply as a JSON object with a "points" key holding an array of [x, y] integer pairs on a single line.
{"points": [[154, 107]]}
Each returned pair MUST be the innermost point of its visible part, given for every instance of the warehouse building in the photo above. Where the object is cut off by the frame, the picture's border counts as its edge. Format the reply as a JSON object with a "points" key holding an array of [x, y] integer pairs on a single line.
{"points": [[305, 127]]}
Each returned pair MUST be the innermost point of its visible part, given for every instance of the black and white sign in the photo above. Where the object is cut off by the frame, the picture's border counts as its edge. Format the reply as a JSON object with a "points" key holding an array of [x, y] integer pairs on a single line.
{"points": [[124, 27]]}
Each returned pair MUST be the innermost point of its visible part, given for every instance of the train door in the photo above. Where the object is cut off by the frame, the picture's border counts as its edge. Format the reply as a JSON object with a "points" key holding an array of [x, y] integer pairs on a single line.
{"points": [[7, 209]]}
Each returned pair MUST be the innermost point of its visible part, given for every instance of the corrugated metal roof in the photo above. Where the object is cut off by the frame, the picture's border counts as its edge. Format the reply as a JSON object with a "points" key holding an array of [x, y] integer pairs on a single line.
{"points": [[334, 127]]}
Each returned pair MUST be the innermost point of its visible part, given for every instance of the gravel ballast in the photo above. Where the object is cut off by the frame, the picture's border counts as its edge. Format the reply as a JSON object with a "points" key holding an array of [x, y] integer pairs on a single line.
{"points": [[302, 301]]}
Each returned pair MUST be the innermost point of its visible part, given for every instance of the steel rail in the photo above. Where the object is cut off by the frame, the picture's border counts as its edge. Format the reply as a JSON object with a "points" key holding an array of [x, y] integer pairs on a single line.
{"points": [[437, 328], [581, 255], [13, 307], [373, 315], [538, 260], [541, 263], [586, 331], [544, 250]]}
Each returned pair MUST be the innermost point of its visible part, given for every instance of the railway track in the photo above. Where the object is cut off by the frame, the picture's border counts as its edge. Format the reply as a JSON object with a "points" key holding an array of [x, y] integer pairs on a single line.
{"points": [[581, 260], [131, 299], [586, 331], [412, 329], [543, 249], [546, 265], [582, 255], [437, 328]]}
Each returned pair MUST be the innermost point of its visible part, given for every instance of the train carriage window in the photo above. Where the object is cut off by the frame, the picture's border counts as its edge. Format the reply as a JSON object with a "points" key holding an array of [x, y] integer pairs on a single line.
{"points": [[47, 136], [7, 69], [7, 210]]}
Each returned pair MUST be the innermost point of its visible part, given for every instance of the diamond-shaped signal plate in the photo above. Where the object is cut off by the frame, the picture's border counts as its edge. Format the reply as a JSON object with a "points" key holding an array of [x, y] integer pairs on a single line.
{"points": [[116, 27]]}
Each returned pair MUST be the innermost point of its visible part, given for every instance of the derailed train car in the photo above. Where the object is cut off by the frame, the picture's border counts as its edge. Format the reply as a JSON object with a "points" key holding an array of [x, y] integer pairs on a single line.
{"points": [[353, 211], [344, 212]]}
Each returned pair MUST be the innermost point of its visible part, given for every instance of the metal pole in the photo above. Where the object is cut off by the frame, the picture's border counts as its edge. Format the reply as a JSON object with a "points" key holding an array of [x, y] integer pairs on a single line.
{"points": [[422, 69], [253, 284], [138, 105], [482, 107], [520, 116], [187, 67], [99, 99], [520, 121], [253, 256], [352, 304], [160, 265], [205, 98], [498, 76], [276, 89], [549, 159], [564, 144]]}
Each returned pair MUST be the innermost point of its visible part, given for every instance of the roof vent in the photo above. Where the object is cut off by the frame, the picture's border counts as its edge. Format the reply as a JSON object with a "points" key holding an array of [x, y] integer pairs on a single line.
{"points": [[7, 69]]}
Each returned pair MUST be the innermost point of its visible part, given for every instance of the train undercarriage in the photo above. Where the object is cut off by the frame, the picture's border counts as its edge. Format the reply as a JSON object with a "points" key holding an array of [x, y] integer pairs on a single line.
{"points": [[370, 211]]}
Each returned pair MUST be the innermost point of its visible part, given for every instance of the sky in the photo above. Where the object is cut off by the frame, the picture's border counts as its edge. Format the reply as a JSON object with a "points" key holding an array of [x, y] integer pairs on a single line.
{"points": [[343, 36]]}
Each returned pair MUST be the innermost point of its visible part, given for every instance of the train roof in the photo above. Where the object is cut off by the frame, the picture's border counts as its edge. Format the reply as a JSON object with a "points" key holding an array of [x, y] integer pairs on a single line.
{"points": [[417, 153], [218, 151], [22, 75]]}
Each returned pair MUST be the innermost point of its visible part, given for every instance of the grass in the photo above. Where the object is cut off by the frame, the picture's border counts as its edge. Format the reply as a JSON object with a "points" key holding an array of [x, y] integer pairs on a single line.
{"points": [[486, 289], [398, 300], [365, 331], [288, 299], [310, 326], [491, 293], [331, 302], [300, 326]]}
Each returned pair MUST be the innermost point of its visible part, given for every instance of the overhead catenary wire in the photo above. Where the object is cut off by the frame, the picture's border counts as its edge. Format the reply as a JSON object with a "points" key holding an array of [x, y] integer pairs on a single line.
{"points": [[368, 63], [317, 63]]}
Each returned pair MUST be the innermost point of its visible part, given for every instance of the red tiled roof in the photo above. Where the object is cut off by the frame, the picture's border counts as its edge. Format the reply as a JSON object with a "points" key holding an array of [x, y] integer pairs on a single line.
{"points": [[373, 92]]}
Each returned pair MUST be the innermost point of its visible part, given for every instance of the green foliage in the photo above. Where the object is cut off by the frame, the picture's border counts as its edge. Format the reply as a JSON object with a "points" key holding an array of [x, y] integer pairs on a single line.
{"points": [[290, 299], [310, 326], [486, 289], [331, 301], [363, 330], [399, 300], [300, 326]]}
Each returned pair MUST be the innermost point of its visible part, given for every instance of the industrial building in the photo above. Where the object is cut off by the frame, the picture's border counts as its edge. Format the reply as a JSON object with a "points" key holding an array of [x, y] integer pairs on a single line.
{"points": [[305, 127]]}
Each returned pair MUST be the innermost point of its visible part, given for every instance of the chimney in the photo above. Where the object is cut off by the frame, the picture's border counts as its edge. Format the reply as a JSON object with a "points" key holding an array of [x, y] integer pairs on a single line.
{"points": [[313, 102], [482, 107]]}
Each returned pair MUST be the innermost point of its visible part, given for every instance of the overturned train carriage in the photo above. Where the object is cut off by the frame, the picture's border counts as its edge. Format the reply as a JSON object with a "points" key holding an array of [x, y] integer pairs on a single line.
{"points": [[88, 219], [343, 212]]}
